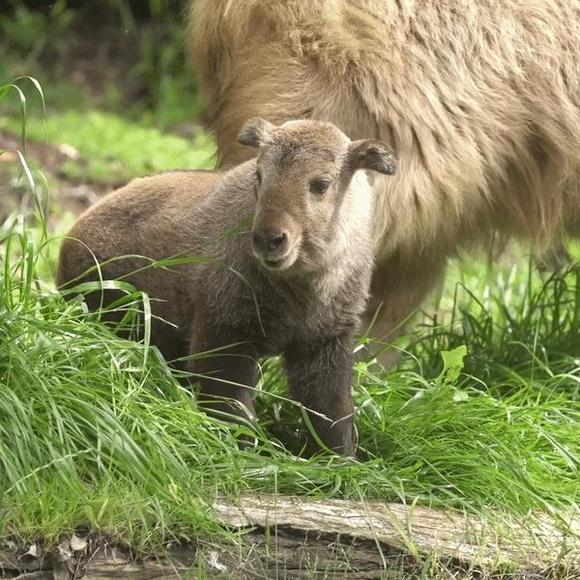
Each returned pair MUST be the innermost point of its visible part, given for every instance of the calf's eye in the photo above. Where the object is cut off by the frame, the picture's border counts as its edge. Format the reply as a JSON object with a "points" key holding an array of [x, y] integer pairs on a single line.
{"points": [[319, 186]]}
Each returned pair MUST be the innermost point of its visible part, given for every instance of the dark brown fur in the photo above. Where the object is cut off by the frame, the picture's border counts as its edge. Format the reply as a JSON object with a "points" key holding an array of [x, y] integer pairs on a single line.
{"points": [[302, 299]]}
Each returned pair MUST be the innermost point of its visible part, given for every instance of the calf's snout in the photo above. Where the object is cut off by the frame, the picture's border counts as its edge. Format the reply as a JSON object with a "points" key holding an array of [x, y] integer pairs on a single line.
{"points": [[270, 242]]}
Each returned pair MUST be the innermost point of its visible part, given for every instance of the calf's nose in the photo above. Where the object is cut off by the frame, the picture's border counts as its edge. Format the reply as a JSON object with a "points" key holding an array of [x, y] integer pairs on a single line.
{"points": [[269, 242]]}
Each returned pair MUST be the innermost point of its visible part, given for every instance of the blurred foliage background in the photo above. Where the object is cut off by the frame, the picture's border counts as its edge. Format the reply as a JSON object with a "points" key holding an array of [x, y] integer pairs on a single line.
{"points": [[121, 97], [127, 55]]}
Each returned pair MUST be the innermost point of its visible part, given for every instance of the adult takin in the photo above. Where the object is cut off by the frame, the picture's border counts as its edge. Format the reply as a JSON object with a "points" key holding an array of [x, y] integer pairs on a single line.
{"points": [[480, 99], [286, 259]]}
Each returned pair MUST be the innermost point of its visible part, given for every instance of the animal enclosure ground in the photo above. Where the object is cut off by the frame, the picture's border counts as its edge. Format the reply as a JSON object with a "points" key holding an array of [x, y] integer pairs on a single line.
{"points": [[96, 433]]}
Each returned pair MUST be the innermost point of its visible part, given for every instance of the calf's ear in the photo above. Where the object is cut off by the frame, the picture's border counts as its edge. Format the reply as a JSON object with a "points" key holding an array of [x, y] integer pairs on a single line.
{"points": [[372, 154], [255, 132]]}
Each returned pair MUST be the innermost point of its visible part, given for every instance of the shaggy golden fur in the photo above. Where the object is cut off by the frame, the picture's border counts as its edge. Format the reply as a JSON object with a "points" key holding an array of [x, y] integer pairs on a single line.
{"points": [[480, 100]]}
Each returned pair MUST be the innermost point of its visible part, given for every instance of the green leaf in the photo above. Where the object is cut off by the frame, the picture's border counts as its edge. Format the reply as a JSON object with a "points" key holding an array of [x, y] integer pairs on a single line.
{"points": [[452, 364]]}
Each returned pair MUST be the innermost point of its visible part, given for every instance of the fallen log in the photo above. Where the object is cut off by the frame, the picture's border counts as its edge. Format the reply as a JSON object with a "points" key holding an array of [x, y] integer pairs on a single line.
{"points": [[300, 537], [537, 542]]}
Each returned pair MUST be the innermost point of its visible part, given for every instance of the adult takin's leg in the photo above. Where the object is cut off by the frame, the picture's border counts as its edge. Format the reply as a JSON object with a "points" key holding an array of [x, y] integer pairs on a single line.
{"points": [[399, 287]]}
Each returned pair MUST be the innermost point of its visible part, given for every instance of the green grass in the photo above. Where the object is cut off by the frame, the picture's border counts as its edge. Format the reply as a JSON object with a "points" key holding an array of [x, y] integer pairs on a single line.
{"points": [[95, 430], [112, 149]]}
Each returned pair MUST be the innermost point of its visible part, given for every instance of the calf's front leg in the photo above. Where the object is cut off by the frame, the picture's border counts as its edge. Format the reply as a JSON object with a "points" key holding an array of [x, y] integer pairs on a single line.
{"points": [[227, 376], [320, 377]]}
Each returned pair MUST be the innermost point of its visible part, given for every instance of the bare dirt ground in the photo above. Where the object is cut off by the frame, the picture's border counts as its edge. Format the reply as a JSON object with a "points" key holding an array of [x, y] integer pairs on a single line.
{"points": [[66, 194]]}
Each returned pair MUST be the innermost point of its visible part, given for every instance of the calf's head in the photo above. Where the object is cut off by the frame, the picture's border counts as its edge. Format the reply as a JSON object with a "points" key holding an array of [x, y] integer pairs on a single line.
{"points": [[303, 173]]}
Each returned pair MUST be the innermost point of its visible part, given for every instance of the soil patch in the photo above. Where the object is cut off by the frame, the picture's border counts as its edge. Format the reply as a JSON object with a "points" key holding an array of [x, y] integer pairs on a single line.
{"points": [[66, 193]]}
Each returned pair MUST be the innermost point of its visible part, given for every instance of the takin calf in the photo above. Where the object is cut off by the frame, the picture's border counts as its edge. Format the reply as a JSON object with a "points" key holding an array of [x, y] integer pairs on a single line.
{"points": [[294, 284]]}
